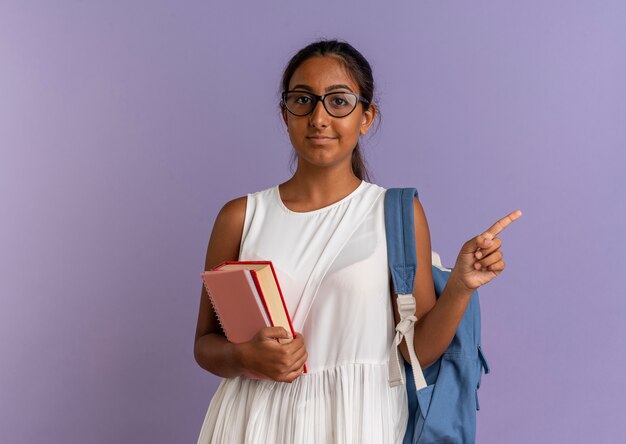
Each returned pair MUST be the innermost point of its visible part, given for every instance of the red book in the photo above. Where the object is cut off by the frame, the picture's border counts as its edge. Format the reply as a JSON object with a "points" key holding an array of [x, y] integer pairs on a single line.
{"points": [[246, 297]]}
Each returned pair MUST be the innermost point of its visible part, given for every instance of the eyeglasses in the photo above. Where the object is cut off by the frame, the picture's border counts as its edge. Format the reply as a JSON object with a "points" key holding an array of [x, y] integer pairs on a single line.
{"points": [[337, 104]]}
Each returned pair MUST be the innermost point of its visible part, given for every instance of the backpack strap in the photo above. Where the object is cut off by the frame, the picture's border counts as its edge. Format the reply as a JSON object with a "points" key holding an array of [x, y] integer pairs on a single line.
{"points": [[400, 235]]}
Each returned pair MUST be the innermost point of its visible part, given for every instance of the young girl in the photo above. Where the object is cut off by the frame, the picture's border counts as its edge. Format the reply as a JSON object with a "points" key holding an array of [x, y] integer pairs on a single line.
{"points": [[324, 231]]}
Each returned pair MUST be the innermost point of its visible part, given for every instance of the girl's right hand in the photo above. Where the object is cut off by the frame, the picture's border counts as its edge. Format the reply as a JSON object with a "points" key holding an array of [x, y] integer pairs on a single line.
{"points": [[265, 355], [480, 259]]}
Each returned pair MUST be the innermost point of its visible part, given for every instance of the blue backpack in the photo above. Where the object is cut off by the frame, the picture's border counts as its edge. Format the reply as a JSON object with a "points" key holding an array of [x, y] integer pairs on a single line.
{"points": [[443, 398]]}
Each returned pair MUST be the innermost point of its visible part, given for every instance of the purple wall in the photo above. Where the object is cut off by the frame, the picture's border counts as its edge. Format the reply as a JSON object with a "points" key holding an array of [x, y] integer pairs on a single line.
{"points": [[122, 134]]}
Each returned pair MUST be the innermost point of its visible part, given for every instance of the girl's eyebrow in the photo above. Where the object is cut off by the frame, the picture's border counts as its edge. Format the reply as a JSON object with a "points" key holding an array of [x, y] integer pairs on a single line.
{"points": [[330, 88]]}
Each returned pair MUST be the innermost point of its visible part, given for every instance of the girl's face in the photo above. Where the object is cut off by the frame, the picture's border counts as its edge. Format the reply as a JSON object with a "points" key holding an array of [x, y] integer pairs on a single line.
{"points": [[319, 138]]}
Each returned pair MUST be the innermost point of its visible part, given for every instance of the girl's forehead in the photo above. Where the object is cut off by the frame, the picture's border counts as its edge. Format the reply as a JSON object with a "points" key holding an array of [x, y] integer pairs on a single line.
{"points": [[322, 72]]}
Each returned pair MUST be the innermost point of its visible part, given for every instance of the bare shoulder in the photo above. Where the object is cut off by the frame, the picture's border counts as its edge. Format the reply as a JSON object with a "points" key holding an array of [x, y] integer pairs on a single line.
{"points": [[422, 231], [418, 209], [226, 233], [233, 211]]}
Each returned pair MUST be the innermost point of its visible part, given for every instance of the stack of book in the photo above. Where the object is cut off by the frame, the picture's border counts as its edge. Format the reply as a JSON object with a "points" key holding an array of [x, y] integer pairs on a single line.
{"points": [[246, 297]]}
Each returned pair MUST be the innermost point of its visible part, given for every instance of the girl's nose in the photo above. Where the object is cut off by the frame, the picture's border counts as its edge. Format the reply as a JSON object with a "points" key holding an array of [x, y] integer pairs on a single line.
{"points": [[319, 117]]}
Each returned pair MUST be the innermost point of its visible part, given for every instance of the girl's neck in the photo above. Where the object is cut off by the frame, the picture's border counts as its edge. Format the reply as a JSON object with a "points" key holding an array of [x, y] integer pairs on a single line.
{"points": [[308, 190]]}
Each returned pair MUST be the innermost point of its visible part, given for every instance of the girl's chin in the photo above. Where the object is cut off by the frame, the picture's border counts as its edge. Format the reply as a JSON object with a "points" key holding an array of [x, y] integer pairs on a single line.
{"points": [[321, 158]]}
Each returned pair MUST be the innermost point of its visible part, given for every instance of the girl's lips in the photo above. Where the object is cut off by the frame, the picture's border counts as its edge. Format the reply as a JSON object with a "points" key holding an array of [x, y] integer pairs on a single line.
{"points": [[320, 140]]}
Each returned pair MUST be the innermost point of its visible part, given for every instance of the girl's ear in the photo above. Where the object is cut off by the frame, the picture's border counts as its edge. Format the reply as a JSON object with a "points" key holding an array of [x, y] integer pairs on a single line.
{"points": [[368, 118], [283, 111]]}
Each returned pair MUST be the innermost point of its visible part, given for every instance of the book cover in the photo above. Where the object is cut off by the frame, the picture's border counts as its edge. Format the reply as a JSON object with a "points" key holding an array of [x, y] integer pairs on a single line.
{"points": [[232, 294]]}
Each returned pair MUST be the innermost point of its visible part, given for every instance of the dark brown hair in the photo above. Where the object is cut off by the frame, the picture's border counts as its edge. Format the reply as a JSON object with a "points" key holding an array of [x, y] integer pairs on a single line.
{"points": [[360, 69]]}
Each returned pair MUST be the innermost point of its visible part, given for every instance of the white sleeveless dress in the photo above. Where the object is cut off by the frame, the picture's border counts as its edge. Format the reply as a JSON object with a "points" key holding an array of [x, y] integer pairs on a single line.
{"points": [[332, 267]]}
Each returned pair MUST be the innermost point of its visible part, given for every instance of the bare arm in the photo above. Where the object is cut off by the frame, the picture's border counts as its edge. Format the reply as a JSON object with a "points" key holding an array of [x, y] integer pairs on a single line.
{"points": [[211, 349]]}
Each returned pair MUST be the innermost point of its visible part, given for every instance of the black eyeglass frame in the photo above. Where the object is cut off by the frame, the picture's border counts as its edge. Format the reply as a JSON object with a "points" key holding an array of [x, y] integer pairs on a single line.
{"points": [[321, 98]]}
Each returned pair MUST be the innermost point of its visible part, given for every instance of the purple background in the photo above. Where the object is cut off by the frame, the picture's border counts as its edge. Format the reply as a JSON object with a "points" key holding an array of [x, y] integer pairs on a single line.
{"points": [[123, 131]]}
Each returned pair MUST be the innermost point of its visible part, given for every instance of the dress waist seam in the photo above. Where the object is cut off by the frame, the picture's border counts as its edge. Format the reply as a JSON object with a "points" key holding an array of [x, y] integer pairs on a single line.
{"points": [[344, 364]]}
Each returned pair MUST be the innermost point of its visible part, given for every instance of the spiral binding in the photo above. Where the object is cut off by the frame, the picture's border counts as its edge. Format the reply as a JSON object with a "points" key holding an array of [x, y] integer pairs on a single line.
{"points": [[217, 314]]}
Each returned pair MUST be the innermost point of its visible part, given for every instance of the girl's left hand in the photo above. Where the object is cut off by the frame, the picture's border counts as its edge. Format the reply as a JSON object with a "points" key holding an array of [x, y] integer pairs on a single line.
{"points": [[480, 259]]}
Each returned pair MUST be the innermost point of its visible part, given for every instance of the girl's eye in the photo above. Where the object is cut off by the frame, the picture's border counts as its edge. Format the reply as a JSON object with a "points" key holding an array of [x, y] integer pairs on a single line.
{"points": [[303, 100], [341, 101]]}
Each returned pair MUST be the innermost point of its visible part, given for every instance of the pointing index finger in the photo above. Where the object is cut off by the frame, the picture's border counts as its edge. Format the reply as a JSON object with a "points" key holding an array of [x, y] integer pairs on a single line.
{"points": [[502, 224]]}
